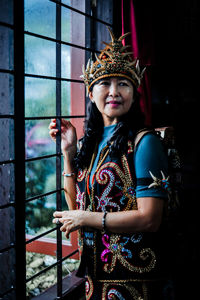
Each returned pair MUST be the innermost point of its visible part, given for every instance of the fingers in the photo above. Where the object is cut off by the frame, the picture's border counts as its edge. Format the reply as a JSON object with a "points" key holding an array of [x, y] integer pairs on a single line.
{"points": [[52, 124], [67, 226], [60, 217], [66, 123], [67, 221], [58, 214], [63, 122], [52, 129], [63, 126], [53, 133]]}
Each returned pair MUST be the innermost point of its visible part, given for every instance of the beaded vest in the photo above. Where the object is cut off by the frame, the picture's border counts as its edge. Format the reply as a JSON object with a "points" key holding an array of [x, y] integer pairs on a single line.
{"points": [[111, 256]]}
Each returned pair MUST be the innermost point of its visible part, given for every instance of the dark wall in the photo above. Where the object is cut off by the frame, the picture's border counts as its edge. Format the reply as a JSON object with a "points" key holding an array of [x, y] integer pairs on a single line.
{"points": [[168, 35]]}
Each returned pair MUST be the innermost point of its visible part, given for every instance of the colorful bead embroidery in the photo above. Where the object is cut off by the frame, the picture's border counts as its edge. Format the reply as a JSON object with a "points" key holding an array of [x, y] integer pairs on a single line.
{"points": [[89, 288], [125, 184], [114, 190], [88, 239], [129, 192], [111, 291], [130, 147], [136, 238], [79, 198], [115, 251], [106, 177], [114, 292], [81, 175]]}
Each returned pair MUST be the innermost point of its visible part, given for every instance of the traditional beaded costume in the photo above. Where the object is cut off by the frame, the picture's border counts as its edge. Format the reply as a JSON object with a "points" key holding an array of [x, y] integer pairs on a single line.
{"points": [[117, 266]]}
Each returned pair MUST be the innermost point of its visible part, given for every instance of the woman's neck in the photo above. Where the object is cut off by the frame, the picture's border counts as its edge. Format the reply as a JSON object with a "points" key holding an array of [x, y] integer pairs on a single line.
{"points": [[108, 121]]}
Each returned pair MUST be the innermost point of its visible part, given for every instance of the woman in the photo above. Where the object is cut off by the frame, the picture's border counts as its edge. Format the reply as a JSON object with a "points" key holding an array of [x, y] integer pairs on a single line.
{"points": [[111, 184]]}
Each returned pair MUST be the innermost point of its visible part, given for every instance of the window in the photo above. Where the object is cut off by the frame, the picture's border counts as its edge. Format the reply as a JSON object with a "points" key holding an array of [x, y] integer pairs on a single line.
{"points": [[43, 47]]}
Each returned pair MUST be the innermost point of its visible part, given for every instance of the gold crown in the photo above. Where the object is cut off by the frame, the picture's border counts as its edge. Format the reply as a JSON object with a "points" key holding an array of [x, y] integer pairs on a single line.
{"points": [[113, 61]]}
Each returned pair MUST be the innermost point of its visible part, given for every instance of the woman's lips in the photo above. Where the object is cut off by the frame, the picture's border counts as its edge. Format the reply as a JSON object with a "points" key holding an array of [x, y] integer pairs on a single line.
{"points": [[114, 103]]}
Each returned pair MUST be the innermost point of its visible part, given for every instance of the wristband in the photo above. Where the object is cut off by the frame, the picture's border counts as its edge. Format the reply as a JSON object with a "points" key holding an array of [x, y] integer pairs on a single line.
{"points": [[104, 221], [68, 174]]}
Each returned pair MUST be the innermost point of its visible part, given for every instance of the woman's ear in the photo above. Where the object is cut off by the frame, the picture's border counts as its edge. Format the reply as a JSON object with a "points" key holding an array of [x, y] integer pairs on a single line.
{"points": [[91, 97]]}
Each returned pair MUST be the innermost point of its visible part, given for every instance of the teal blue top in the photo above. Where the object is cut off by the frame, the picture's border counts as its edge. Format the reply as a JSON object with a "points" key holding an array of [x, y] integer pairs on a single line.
{"points": [[148, 156]]}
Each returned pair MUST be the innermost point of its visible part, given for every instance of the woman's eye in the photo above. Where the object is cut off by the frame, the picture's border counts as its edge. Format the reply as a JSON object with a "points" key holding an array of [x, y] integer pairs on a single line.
{"points": [[123, 83], [105, 83]]}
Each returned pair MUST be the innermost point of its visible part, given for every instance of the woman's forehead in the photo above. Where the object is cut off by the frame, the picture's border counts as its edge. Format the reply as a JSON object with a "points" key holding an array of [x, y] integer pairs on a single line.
{"points": [[113, 78]]}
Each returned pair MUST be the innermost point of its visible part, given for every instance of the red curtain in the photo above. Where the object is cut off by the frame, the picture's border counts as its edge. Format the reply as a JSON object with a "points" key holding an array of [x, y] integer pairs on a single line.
{"points": [[138, 23]]}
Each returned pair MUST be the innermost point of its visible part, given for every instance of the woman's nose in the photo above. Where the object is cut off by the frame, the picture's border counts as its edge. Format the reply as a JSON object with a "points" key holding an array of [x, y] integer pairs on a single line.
{"points": [[114, 89]]}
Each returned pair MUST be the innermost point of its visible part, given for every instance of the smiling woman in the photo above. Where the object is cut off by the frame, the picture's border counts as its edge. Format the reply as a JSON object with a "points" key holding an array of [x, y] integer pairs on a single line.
{"points": [[120, 214], [113, 97]]}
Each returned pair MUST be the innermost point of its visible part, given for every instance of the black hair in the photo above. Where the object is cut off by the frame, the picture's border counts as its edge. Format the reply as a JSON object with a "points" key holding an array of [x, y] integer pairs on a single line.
{"points": [[126, 129]]}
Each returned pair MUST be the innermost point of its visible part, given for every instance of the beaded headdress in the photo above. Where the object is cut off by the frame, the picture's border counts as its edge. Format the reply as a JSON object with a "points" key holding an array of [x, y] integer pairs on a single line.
{"points": [[113, 61]]}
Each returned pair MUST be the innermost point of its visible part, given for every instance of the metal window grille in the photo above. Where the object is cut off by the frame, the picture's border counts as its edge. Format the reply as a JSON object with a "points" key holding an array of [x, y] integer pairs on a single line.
{"points": [[15, 72]]}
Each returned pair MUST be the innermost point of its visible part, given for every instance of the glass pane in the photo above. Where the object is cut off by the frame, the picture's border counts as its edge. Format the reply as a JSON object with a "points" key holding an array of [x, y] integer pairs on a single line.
{"points": [[103, 6], [39, 214], [80, 5], [7, 184], [35, 263], [40, 17], [69, 265], [7, 225], [40, 97], [73, 98], [65, 61], [7, 279], [40, 176], [73, 27], [40, 56], [65, 25], [66, 98], [7, 94], [6, 11], [6, 139], [38, 141], [72, 61], [78, 123], [6, 48]]}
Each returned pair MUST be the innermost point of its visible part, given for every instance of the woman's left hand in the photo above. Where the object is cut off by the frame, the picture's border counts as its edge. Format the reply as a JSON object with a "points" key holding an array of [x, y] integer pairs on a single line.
{"points": [[71, 220]]}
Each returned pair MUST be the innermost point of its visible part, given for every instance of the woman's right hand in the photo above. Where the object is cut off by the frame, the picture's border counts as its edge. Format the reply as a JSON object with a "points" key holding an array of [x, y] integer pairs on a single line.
{"points": [[68, 136]]}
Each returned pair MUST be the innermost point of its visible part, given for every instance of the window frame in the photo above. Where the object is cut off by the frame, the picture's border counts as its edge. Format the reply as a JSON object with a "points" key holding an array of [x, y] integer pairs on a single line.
{"points": [[19, 161]]}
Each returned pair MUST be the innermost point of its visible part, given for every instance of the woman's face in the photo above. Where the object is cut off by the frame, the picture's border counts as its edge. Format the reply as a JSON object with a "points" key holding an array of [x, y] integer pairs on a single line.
{"points": [[113, 97]]}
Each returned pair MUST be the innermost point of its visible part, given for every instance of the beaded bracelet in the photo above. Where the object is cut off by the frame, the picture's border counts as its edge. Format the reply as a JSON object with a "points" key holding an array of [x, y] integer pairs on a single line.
{"points": [[67, 174], [104, 221]]}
